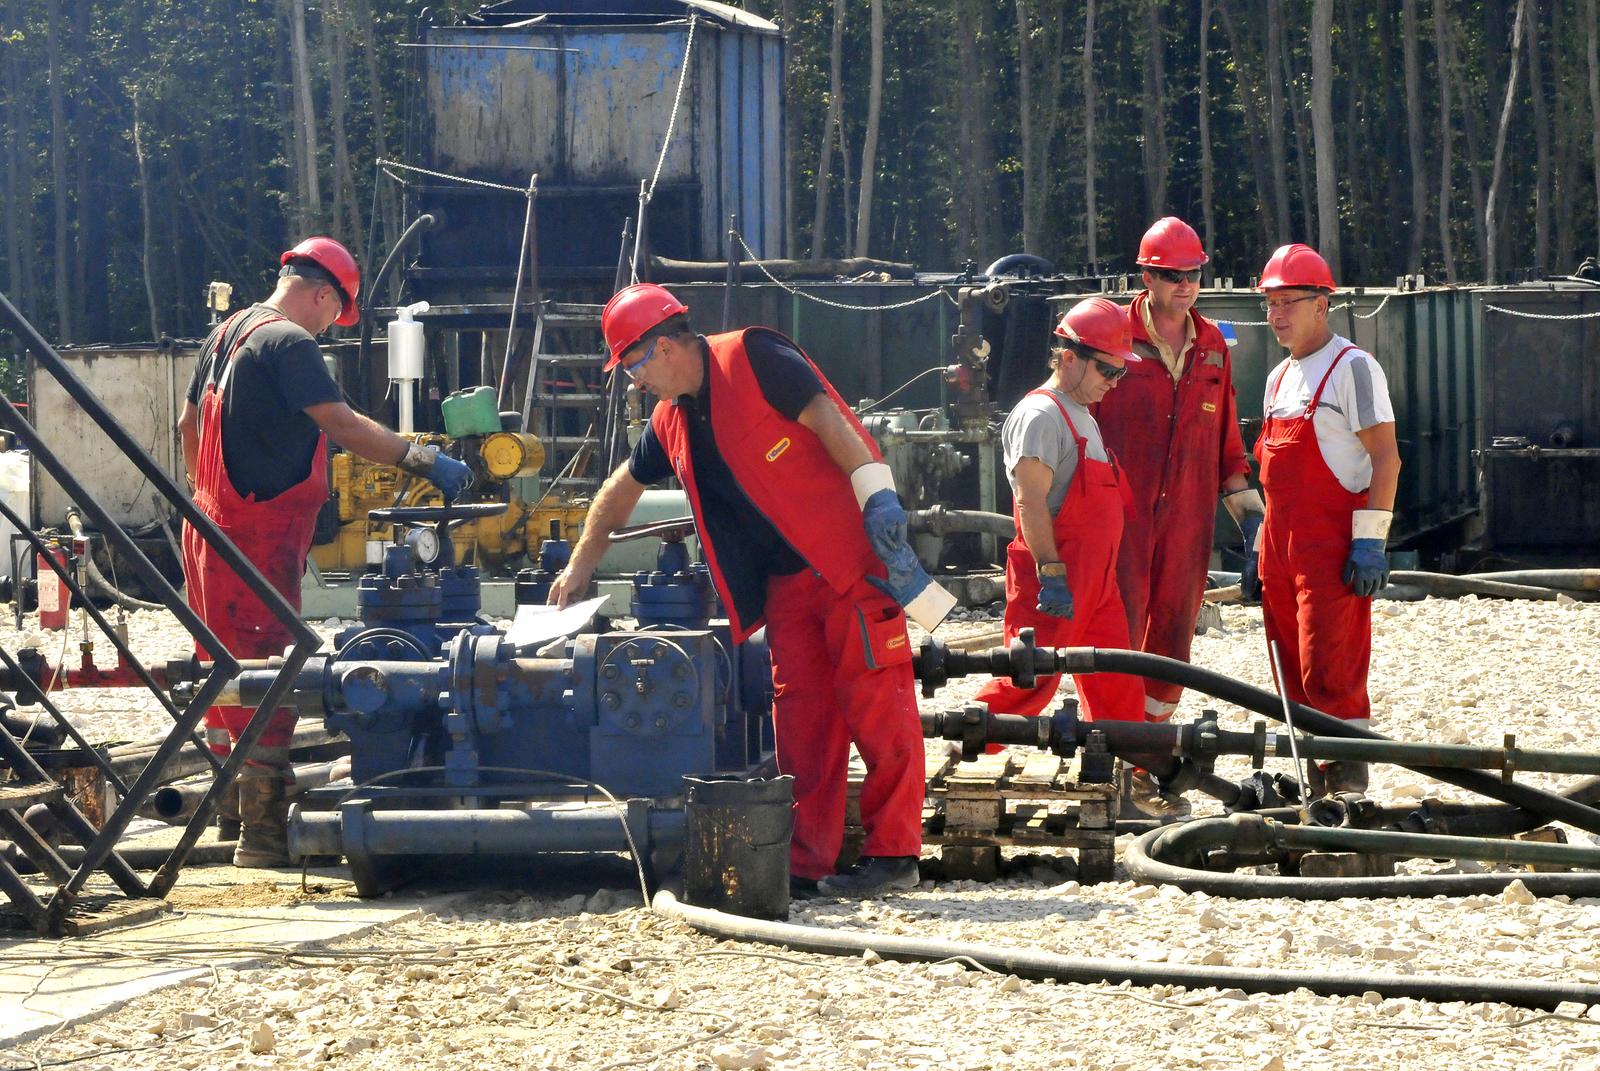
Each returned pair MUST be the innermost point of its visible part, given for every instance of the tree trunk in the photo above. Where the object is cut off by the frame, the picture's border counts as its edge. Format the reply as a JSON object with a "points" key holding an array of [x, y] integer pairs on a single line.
{"points": [[1302, 140], [1030, 176], [819, 221], [869, 149], [335, 42], [1208, 176], [1469, 121], [1253, 121], [1274, 75], [791, 129], [18, 217], [847, 207], [1155, 116], [1091, 223], [60, 194], [309, 207], [1441, 46], [1491, 222], [146, 258], [1322, 131], [1358, 200], [1564, 153], [1542, 179], [1419, 178], [91, 313], [1594, 108]]}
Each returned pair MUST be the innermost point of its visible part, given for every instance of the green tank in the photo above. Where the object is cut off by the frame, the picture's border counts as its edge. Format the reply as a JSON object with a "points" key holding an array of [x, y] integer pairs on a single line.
{"points": [[471, 412]]}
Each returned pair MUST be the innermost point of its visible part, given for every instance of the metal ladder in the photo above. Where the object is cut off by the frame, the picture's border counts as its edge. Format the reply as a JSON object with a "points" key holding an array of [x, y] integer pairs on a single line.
{"points": [[567, 393], [29, 786]]}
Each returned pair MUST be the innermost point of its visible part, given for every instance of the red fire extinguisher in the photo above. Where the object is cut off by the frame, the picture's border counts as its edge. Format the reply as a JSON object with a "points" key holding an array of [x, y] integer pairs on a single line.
{"points": [[53, 594]]}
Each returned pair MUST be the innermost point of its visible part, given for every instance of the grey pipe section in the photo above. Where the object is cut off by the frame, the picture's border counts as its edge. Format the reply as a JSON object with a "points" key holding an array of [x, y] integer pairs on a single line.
{"points": [[1447, 585], [940, 521], [1050, 966], [475, 832], [1564, 579], [1150, 860], [175, 803]]}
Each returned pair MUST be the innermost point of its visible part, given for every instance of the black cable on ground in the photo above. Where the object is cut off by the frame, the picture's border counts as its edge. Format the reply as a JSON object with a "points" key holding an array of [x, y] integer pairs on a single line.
{"points": [[1147, 861], [1050, 966]]}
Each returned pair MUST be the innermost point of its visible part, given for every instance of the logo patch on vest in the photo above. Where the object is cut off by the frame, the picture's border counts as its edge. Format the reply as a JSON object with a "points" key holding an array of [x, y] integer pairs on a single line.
{"points": [[1210, 407], [895, 641], [778, 448]]}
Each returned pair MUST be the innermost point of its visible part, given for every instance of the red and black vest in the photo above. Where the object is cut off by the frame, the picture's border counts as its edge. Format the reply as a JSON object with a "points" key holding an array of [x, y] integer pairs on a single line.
{"points": [[781, 466]]}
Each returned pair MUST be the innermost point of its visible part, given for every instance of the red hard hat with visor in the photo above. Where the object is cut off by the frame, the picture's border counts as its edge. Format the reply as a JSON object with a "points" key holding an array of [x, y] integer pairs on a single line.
{"points": [[631, 313], [340, 267]]}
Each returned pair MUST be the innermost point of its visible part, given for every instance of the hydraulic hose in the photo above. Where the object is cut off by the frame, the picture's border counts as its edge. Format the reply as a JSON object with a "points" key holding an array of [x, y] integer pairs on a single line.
{"points": [[939, 521], [97, 579], [1563, 579], [1051, 966], [1549, 805], [421, 223], [1150, 859]]}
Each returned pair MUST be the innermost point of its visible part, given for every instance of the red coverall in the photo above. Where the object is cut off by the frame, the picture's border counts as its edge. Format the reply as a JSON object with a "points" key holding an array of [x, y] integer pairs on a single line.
{"points": [[275, 535], [841, 660], [1088, 528], [1323, 631], [1177, 442]]}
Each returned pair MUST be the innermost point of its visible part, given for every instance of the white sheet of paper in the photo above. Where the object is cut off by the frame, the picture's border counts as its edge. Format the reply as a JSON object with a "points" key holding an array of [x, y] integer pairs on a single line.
{"points": [[537, 625]]}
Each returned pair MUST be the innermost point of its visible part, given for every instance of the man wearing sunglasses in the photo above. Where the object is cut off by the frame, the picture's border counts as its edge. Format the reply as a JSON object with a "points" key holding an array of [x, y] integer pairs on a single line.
{"points": [[255, 424], [1069, 499], [1329, 467], [802, 531], [1174, 427]]}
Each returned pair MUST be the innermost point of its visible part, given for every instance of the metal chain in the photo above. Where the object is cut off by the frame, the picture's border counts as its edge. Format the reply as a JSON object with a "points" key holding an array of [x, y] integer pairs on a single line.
{"points": [[1542, 315], [672, 120], [824, 301], [518, 190], [1331, 309]]}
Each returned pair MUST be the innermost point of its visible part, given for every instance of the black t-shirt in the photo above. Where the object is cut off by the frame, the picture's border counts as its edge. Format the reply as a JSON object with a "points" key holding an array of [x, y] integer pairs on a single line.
{"points": [[749, 548], [267, 439]]}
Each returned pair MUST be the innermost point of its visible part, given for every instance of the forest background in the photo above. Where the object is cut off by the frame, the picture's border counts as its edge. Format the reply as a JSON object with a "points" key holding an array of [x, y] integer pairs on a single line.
{"points": [[150, 146]]}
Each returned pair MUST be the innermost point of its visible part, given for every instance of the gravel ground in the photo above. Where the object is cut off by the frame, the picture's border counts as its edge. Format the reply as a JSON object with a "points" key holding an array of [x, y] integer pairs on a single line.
{"points": [[544, 979]]}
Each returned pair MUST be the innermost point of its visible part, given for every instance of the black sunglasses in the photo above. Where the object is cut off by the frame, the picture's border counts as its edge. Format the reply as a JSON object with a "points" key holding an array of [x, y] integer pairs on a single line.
{"points": [[1172, 275], [1108, 371]]}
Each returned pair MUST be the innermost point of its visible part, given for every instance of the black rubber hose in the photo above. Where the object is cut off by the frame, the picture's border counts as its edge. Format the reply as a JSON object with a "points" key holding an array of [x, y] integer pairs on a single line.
{"points": [[940, 521], [1561, 579], [99, 583], [1051, 966], [421, 223], [1549, 805], [1147, 860]]}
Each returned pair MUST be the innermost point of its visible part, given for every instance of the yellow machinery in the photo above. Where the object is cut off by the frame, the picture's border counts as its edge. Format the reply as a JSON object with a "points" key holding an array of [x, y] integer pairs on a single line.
{"points": [[492, 543]]}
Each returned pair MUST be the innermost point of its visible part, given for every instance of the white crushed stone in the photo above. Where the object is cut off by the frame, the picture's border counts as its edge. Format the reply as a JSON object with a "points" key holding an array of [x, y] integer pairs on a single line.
{"points": [[519, 981]]}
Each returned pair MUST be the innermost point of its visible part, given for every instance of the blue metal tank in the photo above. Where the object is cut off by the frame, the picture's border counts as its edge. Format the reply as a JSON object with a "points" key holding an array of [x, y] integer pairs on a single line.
{"points": [[583, 93]]}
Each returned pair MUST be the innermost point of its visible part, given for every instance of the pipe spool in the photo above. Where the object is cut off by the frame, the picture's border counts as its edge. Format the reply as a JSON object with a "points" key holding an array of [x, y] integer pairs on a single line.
{"points": [[174, 804]]}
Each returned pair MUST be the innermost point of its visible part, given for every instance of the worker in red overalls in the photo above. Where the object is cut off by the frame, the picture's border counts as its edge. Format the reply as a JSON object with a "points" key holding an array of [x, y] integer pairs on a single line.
{"points": [[255, 424], [1070, 499], [1329, 467], [802, 529], [1174, 428]]}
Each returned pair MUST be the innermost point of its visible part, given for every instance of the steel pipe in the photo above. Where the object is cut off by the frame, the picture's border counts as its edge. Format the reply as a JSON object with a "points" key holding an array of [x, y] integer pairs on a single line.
{"points": [[593, 828]]}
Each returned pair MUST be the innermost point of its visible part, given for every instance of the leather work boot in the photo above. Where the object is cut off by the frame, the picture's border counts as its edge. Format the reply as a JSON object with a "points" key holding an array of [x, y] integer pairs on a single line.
{"points": [[264, 817], [872, 877], [228, 812], [1142, 797], [1332, 778]]}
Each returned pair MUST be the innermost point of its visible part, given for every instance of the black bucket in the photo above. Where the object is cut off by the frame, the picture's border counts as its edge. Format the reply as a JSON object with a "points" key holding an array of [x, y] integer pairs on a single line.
{"points": [[736, 855]]}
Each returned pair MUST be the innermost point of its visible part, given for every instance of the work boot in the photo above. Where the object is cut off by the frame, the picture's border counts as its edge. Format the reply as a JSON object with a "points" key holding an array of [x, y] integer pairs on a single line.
{"points": [[1142, 797], [872, 877], [228, 812], [803, 888], [1332, 778], [264, 818]]}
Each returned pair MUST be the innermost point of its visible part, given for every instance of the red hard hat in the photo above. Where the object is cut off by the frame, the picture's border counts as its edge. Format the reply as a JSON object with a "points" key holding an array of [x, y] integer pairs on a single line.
{"points": [[1171, 243], [631, 312], [1296, 267], [1100, 324], [335, 259]]}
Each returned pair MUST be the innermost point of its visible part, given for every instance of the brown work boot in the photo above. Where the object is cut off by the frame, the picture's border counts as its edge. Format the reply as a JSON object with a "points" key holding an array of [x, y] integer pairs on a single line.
{"points": [[1142, 797], [228, 812], [264, 817]]}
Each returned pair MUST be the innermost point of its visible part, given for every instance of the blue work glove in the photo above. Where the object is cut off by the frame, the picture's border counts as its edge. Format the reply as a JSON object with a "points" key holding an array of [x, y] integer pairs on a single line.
{"points": [[885, 521], [1055, 598], [1366, 570], [450, 476], [907, 578], [1250, 572]]}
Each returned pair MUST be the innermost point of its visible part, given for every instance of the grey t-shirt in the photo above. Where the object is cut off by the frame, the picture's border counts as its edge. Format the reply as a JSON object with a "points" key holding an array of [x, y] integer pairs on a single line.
{"points": [[1035, 429]]}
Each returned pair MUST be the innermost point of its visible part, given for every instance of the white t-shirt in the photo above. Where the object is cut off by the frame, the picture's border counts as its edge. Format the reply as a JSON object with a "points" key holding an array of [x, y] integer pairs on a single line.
{"points": [[1355, 399], [1035, 429]]}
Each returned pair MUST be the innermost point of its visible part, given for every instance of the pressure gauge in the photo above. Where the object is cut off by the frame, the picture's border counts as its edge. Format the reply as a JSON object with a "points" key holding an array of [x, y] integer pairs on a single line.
{"points": [[425, 543]]}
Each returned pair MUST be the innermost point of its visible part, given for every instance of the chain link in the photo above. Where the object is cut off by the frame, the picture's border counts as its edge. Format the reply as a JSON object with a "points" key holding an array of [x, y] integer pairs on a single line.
{"points": [[1542, 315], [824, 301], [519, 190], [1332, 309], [672, 120]]}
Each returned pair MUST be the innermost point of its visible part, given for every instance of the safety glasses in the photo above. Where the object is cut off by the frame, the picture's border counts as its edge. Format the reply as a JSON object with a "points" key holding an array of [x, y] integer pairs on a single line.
{"points": [[1285, 304], [1108, 371], [633, 371], [1172, 275]]}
